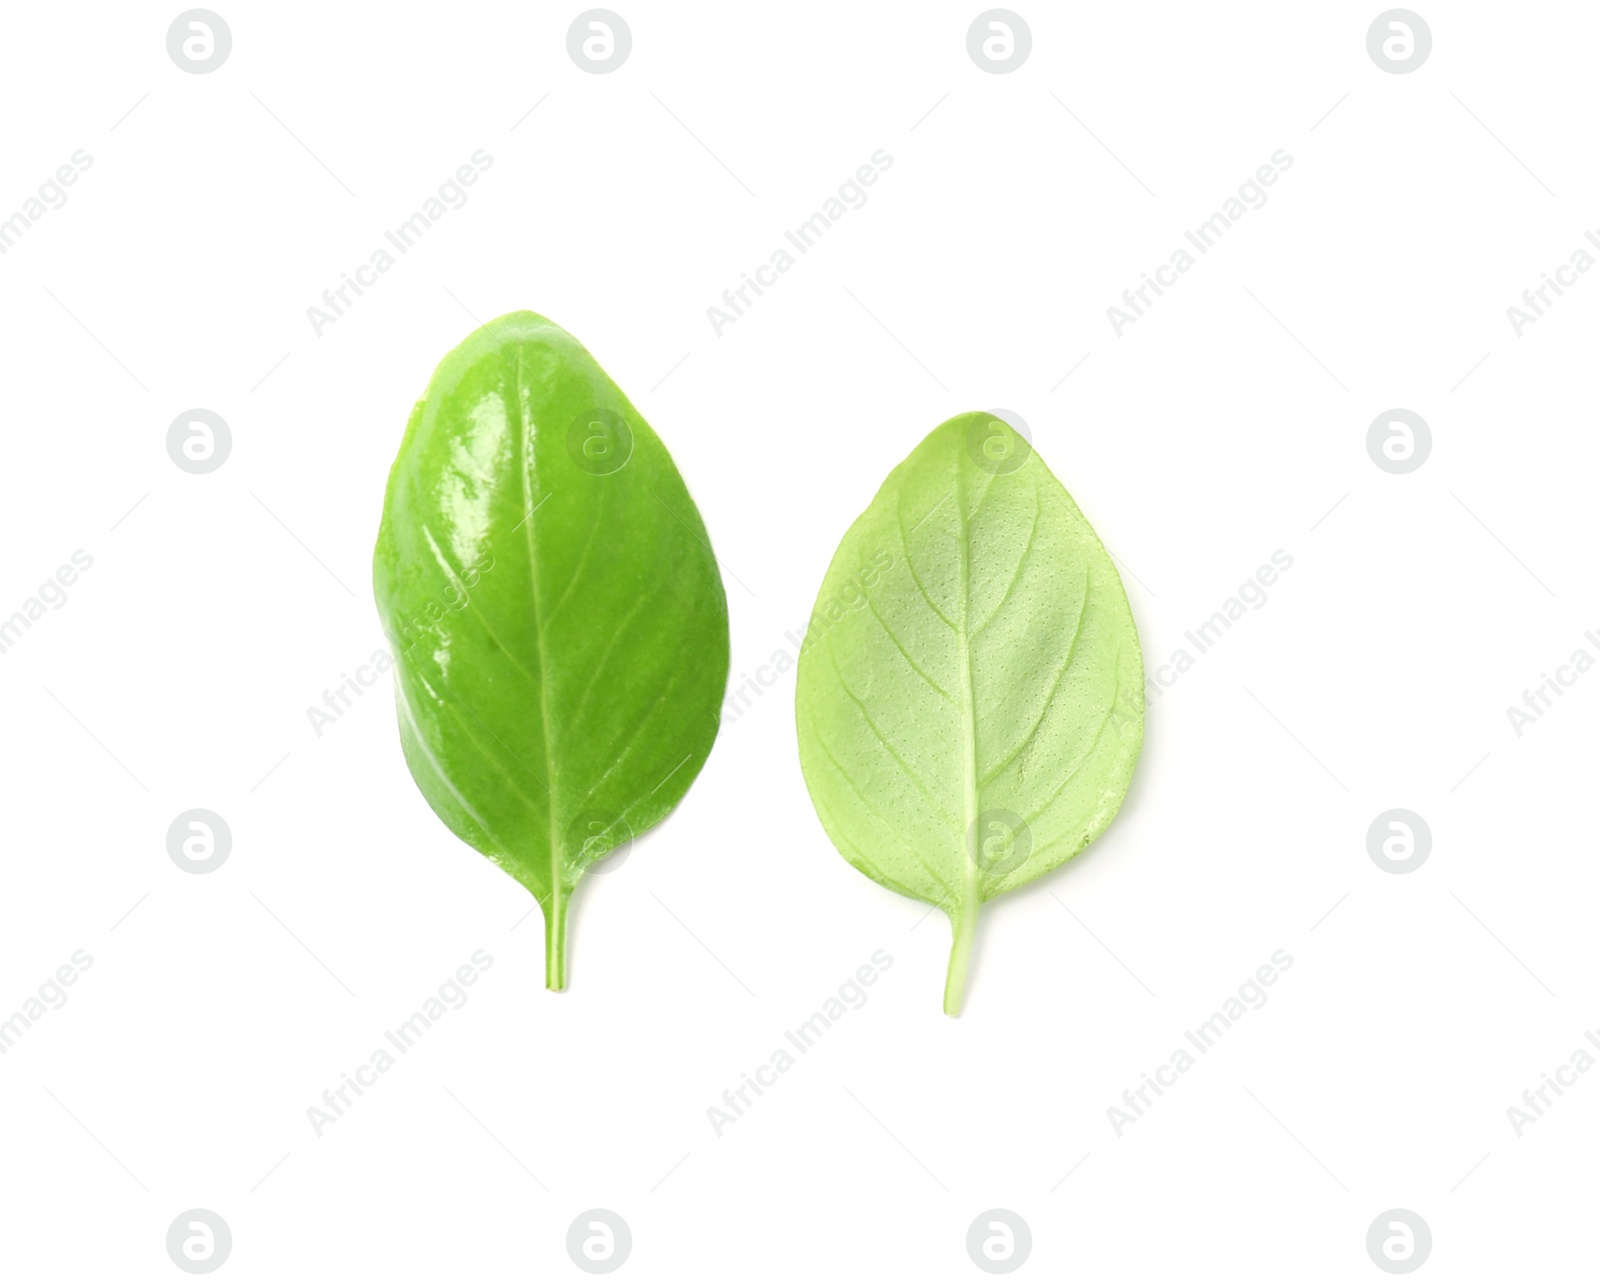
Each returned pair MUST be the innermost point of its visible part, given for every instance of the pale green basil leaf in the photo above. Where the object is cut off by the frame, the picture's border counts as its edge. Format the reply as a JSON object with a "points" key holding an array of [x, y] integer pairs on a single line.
{"points": [[557, 617], [970, 695]]}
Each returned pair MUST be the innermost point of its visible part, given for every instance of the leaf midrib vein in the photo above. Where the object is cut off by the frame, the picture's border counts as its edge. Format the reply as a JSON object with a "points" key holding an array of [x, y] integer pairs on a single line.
{"points": [[969, 725], [525, 468]]}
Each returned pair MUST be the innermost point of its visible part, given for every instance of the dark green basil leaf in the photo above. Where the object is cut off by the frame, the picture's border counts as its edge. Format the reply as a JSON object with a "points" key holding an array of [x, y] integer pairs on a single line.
{"points": [[557, 617]]}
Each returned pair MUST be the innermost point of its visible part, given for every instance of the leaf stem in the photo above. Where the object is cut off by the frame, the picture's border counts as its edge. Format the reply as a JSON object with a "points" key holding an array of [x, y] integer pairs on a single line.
{"points": [[963, 928], [555, 944]]}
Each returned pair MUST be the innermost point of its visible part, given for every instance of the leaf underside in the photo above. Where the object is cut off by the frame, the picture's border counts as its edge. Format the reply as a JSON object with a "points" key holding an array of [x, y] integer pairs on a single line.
{"points": [[558, 621], [970, 696]]}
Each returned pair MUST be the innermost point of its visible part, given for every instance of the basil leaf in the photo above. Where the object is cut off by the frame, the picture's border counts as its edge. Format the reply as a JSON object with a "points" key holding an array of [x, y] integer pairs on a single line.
{"points": [[556, 614], [970, 695]]}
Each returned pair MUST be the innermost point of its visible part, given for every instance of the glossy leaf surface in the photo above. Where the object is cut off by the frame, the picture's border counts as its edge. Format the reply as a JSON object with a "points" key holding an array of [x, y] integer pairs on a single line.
{"points": [[558, 620], [970, 697]]}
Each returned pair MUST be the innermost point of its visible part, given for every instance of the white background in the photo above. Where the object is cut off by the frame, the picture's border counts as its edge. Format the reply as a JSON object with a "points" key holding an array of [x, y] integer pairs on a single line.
{"points": [[1207, 436]]}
